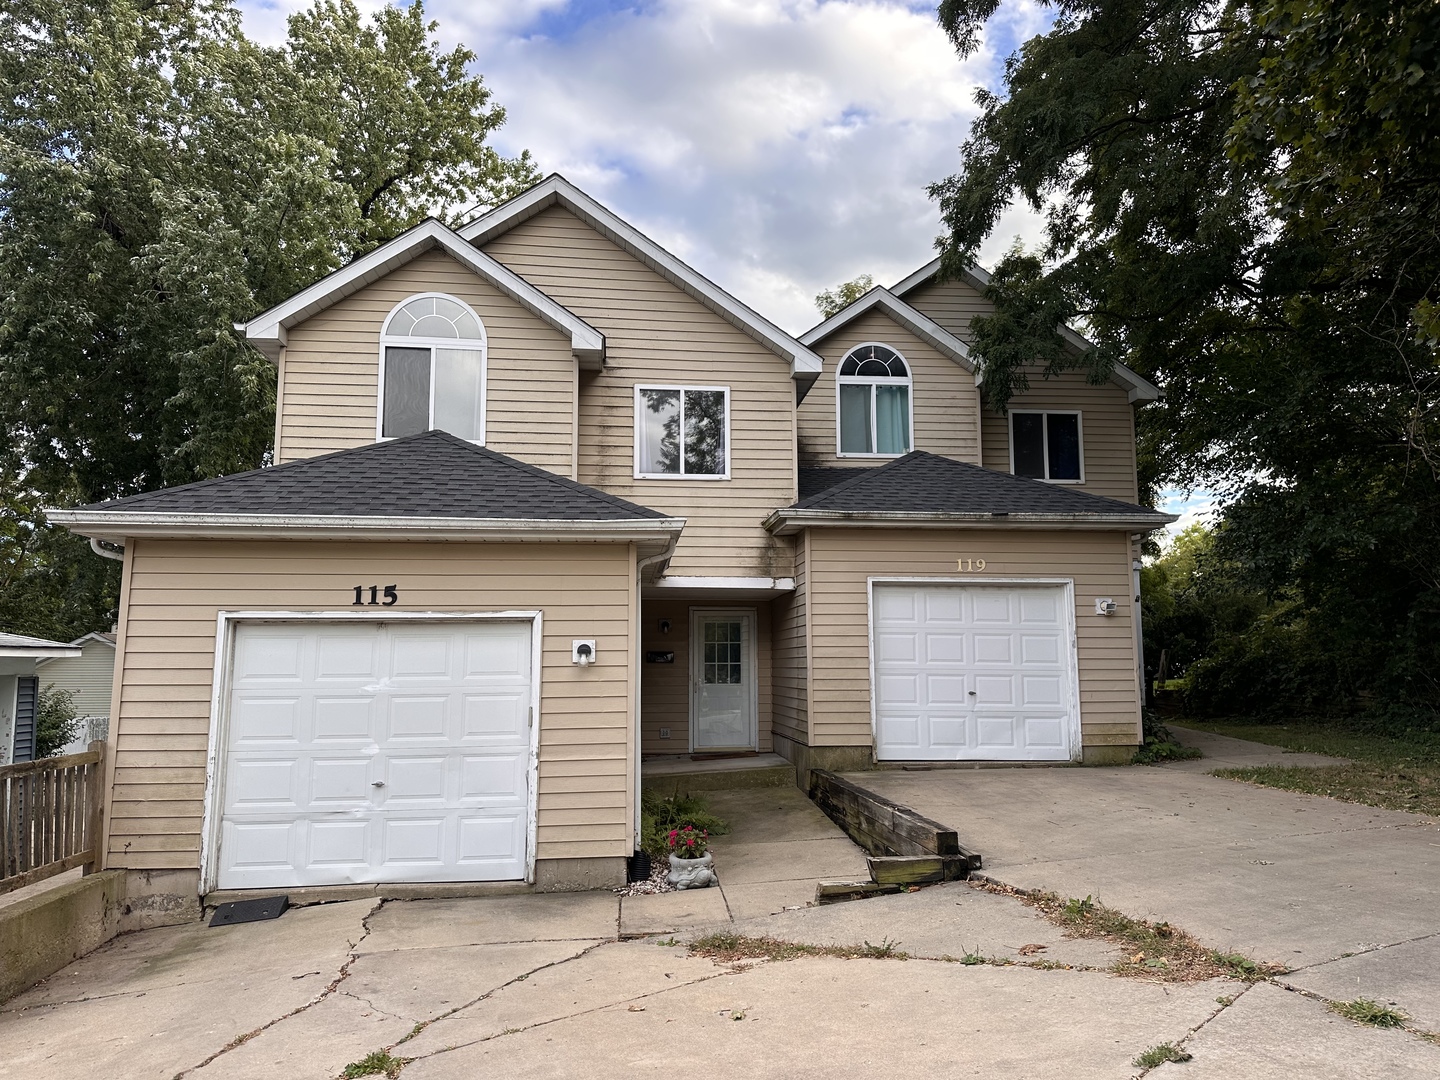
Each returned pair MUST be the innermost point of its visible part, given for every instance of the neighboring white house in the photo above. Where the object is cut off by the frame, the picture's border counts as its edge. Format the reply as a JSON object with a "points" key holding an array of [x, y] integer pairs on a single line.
{"points": [[88, 677], [19, 689]]}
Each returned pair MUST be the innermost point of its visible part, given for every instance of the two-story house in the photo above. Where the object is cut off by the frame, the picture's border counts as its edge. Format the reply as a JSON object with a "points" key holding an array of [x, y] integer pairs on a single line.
{"points": [[545, 500]]}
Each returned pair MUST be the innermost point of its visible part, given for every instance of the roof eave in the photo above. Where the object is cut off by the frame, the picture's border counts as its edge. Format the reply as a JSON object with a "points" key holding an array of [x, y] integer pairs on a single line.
{"points": [[787, 521], [36, 652], [121, 525], [267, 331], [556, 190]]}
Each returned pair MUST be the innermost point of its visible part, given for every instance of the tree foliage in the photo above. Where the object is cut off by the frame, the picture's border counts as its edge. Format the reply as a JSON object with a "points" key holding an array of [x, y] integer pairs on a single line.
{"points": [[56, 721], [162, 178], [842, 296], [1242, 202]]}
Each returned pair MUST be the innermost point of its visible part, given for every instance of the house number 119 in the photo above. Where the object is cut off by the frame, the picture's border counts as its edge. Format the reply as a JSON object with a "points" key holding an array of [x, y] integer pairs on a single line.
{"points": [[971, 564], [369, 596]]}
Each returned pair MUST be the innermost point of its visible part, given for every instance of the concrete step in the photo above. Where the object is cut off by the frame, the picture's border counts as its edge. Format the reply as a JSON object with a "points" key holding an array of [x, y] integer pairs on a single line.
{"points": [[684, 774]]}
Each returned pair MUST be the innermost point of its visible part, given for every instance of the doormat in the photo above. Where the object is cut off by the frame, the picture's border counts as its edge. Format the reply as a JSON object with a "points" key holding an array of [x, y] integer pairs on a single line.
{"points": [[239, 911]]}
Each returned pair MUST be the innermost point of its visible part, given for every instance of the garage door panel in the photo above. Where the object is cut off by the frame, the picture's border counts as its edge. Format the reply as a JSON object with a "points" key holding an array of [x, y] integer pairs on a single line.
{"points": [[980, 672], [439, 714]]}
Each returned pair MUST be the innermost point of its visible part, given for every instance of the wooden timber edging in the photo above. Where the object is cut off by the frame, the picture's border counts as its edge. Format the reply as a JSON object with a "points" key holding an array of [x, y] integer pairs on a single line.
{"points": [[906, 848]]}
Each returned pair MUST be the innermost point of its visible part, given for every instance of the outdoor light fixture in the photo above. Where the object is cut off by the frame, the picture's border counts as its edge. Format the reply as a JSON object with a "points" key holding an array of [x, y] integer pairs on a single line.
{"points": [[1106, 607], [664, 626], [582, 653]]}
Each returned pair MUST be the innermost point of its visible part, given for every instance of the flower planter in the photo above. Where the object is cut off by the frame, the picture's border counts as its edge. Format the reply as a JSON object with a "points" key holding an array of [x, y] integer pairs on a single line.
{"points": [[692, 873]]}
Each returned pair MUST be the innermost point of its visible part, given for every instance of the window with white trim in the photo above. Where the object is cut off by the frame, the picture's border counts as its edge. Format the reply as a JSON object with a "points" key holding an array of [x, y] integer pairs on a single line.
{"points": [[872, 403], [432, 369], [1046, 446], [682, 431]]}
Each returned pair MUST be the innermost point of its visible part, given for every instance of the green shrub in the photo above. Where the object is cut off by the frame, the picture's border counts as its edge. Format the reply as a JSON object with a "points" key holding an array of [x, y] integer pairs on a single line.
{"points": [[55, 721], [1160, 743], [659, 814]]}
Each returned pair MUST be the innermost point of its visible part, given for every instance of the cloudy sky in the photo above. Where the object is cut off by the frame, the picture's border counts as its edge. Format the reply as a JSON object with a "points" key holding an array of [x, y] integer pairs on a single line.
{"points": [[778, 146]]}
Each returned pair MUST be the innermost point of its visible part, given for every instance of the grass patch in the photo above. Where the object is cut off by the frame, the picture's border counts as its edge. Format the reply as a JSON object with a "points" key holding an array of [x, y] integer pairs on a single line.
{"points": [[726, 948], [376, 1063], [1151, 949], [1385, 771], [1365, 1011], [1159, 1055]]}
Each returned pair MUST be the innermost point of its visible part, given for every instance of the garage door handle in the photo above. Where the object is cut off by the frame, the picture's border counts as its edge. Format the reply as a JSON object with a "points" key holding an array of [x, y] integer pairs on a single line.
{"points": [[972, 693], [378, 783]]}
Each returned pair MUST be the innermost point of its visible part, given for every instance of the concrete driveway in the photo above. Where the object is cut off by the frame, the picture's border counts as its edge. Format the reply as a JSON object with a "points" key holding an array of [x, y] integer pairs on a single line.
{"points": [[552, 985]]}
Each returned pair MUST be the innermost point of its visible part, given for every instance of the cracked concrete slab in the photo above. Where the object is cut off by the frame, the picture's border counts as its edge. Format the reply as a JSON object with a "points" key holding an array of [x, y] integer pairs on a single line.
{"points": [[312, 1045], [947, 920], [421, 984], [1292, 878], [617, 973], [1275, 1034], [860, 1018], [430, 924], [1406, 976], [665, 913]]}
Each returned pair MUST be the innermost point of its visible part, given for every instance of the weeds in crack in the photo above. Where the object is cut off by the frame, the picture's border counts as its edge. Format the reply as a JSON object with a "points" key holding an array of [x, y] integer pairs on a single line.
{"points": [[724, 947], [1364, 1011], [1159, 1055], [1150, 949], [375, 1063]]}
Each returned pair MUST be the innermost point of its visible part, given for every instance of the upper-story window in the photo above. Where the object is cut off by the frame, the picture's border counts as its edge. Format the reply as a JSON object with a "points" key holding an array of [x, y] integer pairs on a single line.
{"points": [[873, 403], [682, 431], [432, 369], [1046, 446]]}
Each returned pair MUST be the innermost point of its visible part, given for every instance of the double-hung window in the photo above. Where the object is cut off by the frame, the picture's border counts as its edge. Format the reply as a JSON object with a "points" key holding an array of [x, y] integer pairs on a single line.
{"points": [[432, 369], [682, 431], [1046, 446], [873, 403]]}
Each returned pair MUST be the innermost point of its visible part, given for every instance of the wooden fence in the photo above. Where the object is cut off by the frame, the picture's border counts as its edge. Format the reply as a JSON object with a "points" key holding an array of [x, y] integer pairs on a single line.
{"points": [[50, 816]]}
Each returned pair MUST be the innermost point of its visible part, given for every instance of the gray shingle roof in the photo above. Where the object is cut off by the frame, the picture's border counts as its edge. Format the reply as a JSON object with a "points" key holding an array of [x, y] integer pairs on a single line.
{"points": [[921, 483], [814, 481], [432, 475]]}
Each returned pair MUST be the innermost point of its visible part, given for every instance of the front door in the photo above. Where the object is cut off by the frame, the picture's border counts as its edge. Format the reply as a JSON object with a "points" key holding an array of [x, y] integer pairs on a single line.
{"points": [[722, 677]]}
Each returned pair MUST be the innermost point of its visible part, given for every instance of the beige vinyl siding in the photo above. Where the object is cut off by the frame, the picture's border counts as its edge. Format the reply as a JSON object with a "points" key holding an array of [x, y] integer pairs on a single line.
{"points": [[665, 688], [1107, 418], [176, 588], [790, 718], [1107, 425], [943, 395], [88, 676], [331, 371], [657, 334], [841, 560]]}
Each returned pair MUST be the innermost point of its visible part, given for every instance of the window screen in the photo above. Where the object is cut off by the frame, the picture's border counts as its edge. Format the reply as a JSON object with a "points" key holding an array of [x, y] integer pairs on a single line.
{"points": [[1062, 432], [1029, 435], [407, 392]]}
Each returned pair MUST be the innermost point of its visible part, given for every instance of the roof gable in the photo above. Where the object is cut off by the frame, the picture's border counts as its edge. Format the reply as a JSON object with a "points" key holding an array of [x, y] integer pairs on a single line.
{"points": [[267, 331], [918, 323], [555, 190], [1136, 386]]}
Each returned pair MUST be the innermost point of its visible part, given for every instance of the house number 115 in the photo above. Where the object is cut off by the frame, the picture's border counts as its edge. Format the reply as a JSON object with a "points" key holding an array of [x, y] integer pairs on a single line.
{"points": [[374, 594], [971, 564]]}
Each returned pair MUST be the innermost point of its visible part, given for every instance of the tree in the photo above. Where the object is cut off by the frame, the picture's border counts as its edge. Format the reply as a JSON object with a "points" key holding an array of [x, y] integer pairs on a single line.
{"points": [[162, 178], [56, 722], [1241, 203], [842, 296]]}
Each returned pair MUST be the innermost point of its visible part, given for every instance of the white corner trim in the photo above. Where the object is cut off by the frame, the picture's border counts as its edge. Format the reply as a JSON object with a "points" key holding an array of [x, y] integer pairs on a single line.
{"points": [[919, 324], [267, 331], [556, 190], [977, 277]]}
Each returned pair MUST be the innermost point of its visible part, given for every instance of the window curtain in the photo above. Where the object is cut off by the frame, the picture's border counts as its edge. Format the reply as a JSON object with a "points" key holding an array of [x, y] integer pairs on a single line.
{"points": [[458, 397], [892, 419], [855, 420]]}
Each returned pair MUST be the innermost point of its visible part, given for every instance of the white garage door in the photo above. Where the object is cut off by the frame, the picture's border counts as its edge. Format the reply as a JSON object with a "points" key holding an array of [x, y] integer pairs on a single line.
{"points": [[368, 752], [973, 672]]}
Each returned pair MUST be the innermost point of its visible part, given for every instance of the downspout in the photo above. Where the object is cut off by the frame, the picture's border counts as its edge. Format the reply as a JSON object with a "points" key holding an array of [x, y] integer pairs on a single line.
{"points": [[114, 551], [1139, 638]]}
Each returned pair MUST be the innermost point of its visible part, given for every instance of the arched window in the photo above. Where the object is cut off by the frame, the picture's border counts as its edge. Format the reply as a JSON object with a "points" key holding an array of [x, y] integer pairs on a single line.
{"points": [[873, 402], [432, 369]]}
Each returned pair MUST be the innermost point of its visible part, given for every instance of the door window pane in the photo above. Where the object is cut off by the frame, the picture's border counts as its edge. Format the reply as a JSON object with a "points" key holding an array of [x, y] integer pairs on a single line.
{"points": [[659, 432], [855, 419], [705, 432], [1028, 431], [892, 419], [1063, 430], [723, 644], [407, 392], [458, 393]]}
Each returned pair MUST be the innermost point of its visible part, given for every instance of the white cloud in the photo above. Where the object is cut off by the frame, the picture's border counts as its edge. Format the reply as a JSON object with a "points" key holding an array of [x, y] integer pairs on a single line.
{"points": [[779, 146], [1194, 507]]}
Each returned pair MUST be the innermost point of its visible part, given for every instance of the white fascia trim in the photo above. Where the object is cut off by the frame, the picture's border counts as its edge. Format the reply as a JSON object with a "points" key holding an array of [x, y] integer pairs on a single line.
{"points": [[117, 523], [267, 331], [777, 584], [555, 189], [1138, 387], [785, 522], [24, 652], [919, 324]]}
